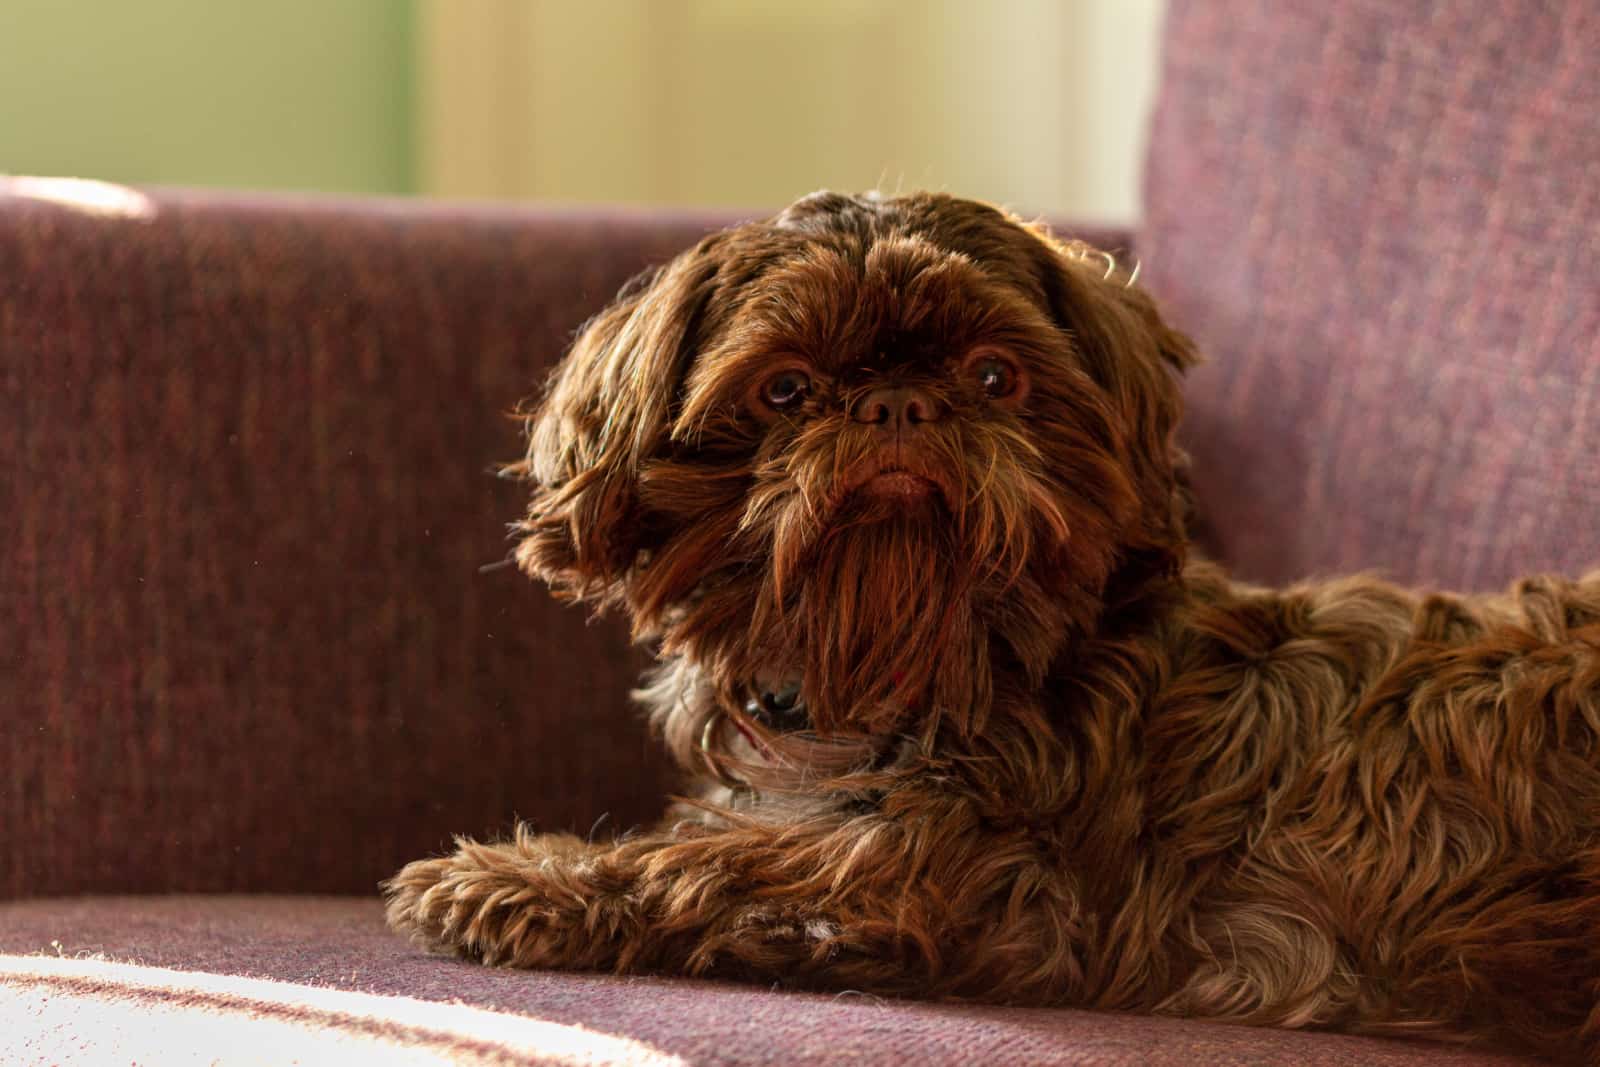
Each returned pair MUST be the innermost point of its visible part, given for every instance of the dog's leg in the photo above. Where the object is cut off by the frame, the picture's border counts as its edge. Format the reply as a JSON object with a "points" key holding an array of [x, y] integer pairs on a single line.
{"points": [[743, 900], [859, 903]]}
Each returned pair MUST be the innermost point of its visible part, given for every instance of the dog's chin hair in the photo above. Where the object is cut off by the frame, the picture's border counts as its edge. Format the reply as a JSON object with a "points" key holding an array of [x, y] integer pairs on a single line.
{"points": [[892, 609], [882, 612]]}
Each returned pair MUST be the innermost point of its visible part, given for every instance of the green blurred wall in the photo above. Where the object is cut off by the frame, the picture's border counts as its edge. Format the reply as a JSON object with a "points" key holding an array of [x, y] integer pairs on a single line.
{"points": [[303, 94]]}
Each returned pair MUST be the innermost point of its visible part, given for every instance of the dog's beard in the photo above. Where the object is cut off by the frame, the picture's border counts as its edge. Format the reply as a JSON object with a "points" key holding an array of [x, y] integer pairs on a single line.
{"points": [[897, 611], [880, 609]]}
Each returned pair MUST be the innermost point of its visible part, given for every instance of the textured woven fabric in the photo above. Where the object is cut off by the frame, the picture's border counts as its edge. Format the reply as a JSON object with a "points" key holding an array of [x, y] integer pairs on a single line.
{"points": [[1382, 222], [340, 945], [246, 455]]}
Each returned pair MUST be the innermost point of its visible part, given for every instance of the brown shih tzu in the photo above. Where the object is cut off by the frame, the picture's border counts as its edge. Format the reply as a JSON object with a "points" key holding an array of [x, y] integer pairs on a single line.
{"points": [[891, 484]]}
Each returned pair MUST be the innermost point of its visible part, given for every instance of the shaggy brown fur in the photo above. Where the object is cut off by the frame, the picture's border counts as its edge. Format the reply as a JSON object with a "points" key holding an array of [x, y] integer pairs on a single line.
{"points": [[1038, 758]]}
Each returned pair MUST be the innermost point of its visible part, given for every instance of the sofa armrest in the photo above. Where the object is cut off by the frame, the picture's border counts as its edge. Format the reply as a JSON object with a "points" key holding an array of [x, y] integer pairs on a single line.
{"points": [[246, 453]]}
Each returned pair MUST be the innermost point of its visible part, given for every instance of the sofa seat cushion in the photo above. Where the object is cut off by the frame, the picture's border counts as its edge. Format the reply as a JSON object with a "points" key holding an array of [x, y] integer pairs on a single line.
{"points": [[240, 979]]}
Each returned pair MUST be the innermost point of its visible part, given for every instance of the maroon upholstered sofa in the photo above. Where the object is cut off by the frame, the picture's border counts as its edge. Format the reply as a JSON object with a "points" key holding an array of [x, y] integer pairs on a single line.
{"points": [[255, 649]]}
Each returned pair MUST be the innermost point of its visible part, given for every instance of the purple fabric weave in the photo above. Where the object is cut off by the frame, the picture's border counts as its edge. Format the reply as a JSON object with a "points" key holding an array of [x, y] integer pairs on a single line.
{"points": [[1382, 223], [246, 453], [342, 945]]}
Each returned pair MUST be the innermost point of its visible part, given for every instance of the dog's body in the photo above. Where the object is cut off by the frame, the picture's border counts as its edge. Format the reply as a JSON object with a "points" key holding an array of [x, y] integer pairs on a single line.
{"points": [[891, 483]]}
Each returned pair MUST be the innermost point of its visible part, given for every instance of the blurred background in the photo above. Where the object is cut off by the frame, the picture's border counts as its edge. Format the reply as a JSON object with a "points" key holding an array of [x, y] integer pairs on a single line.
{"points": [[1038, 104]]}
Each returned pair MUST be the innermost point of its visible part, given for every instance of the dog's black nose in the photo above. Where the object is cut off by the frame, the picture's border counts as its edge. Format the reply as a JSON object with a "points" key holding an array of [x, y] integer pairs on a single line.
{"points": [[897, 407]]}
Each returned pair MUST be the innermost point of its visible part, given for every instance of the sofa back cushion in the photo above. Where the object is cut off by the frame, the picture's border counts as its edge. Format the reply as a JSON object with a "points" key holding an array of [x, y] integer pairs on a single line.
{"points": [[1381, 221], [246, 480]]}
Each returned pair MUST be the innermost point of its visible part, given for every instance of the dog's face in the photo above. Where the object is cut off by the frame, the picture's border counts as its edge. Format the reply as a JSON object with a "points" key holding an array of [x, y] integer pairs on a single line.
{"points": [[893, 452]]}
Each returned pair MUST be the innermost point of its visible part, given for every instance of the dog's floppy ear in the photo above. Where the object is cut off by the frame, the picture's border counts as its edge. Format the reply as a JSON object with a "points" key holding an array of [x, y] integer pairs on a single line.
{"points": [[605, 411], [1135, 357]]}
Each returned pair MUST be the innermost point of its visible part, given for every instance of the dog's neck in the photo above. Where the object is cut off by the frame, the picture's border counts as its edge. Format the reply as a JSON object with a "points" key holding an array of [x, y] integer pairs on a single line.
{"points": [[1098, 684]]}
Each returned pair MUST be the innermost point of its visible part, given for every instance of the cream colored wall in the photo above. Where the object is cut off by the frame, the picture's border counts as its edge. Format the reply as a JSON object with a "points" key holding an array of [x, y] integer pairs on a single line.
{"points": [[1040, 104]]}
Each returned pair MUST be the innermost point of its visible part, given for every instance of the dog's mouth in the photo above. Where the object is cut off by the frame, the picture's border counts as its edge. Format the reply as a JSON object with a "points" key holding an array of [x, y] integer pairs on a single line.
{"points": [[901, 484], [895, 475]]}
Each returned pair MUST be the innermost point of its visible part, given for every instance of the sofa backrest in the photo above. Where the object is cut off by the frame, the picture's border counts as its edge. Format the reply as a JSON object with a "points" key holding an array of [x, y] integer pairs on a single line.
{"points": [[246, 490], [1381, 221]]}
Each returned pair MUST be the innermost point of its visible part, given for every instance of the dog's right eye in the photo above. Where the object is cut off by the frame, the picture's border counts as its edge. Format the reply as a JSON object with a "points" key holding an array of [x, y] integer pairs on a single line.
{"points": [[786, 390]]}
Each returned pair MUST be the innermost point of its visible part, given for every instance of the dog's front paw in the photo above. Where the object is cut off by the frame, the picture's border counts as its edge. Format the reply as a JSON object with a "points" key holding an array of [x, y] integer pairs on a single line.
{"points": [[425, 903], [536, 901]]}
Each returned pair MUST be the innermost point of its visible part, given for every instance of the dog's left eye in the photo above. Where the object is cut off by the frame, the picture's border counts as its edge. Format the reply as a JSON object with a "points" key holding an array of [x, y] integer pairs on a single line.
{"points": [[779, 708], [995, 376], [786, 389]]}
